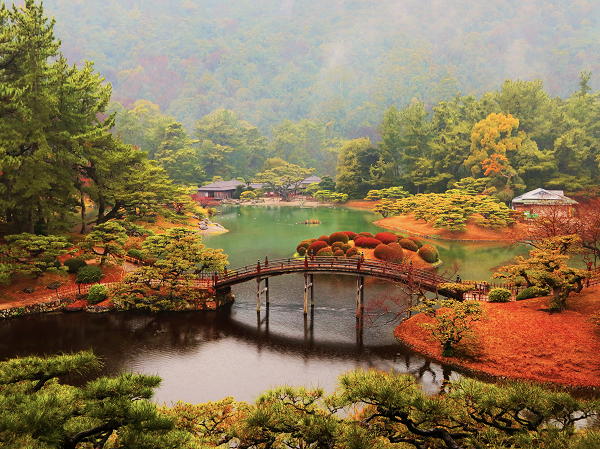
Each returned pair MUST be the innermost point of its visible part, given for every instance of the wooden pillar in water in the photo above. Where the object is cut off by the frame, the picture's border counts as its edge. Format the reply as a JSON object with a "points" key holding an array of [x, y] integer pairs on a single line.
{"points": [[267, 290], [360, 295], [312, 293], [258, 294], [305, 293]]}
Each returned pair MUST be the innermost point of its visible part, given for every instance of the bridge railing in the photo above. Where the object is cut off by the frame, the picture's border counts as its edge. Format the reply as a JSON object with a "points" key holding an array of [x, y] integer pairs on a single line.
{"points": [[353, 265]]}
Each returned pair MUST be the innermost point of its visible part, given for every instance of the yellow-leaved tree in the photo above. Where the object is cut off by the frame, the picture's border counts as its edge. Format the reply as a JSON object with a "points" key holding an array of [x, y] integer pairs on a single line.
{"points": [[493, 142]]}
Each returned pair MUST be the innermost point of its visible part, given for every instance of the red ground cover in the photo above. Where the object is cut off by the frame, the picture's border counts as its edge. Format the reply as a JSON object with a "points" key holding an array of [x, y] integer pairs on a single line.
{"points": [[524, 340]]}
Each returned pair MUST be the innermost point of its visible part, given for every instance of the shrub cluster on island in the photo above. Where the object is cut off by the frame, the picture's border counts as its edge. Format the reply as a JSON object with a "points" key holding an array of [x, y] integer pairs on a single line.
{"points": [[384, 246]]}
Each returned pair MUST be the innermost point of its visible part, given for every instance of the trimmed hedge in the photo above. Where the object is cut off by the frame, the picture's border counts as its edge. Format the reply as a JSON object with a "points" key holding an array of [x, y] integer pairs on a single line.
{"points": [[417, 241], [428, 253], [314, 247], [364, 234], [352, 252], [386, 237], [74, 264], [346, 247], [385, 252], [367, 242], [409, 245], [324, 238], [325, 252], [97, 293], [338, 237], [336, 245], [499, 295], [531, 292], [301, 250], [351, 235], [395, 246], [339, 253], [303, 245]]}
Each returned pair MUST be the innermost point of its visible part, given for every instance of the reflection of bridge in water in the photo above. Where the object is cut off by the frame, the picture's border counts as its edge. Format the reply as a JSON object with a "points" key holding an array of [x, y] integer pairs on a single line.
{"points": [[393, 272]]}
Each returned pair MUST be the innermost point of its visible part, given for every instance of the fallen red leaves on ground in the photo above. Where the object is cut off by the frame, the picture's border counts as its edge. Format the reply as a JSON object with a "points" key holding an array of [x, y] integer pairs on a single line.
{"points": [[524, 340]]}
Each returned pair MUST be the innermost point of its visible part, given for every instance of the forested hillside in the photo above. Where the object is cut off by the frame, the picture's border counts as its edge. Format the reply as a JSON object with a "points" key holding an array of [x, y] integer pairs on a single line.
{"points": [[343, 63]]}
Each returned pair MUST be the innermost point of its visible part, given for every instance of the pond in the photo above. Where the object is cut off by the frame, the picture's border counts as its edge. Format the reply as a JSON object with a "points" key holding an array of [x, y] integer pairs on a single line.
{"points": [[235, 352]]}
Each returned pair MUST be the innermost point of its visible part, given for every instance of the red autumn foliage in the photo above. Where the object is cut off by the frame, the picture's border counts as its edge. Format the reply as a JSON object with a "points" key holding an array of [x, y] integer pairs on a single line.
{"points": [[522, 339], [314, 247], [367, 242], [388, 253], [351, 235], [365, 234], [386, 237]]}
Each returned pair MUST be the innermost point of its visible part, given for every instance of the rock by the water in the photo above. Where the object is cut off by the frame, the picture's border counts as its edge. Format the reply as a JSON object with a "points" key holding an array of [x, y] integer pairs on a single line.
{"points": [[203, 226], [29, 290], [54, 285]]}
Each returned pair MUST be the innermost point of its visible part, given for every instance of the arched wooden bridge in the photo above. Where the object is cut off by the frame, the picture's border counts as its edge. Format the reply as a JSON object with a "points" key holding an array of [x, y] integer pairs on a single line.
{"points": [[394, 272]]}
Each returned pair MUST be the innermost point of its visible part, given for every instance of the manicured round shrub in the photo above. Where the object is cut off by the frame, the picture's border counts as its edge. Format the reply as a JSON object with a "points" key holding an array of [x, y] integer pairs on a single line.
{"points": [[303, 245], [336, 245], [352, 252], [409, 245], [301, 251], [314, 247], [531, 292], [325, 252], [324, 238], [395, 246], [428, 253], [385, 252], [310, 240], [339, 253], [346, 247], [367, 242], [89, 274], [386, 237], [338, 237], [499, 295], [97, 293], [351, 235], [417, 241], [364, 234], [74, 264]]}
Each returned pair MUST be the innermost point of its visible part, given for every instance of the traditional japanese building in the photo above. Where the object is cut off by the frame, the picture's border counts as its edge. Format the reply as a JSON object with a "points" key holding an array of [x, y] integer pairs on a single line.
{"points": [[544, 202], [219, 190]]}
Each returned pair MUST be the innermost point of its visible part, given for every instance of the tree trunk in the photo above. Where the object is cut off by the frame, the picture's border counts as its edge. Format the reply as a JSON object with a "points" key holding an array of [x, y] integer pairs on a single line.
{"points": [[447, 349], [82, 214]]}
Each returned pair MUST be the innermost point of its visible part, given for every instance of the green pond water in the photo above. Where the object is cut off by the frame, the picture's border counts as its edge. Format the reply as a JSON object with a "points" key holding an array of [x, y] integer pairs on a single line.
{"points": [[275, 231]]}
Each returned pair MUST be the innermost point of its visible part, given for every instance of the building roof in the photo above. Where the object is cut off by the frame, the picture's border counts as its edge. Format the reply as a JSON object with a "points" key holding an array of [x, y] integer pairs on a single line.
{"points": [[544, 197], [308, 181], [221, 186]]}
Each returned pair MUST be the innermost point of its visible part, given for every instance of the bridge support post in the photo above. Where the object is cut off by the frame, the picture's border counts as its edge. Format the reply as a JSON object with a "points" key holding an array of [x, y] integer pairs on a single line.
{"points": [[307, 285], [312, 291], [258, 294], [267, 290], [360, 295]]}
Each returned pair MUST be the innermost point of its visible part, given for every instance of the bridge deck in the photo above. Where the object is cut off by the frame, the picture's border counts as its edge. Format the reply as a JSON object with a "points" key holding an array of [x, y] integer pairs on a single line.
{"points": [[390, 271]]}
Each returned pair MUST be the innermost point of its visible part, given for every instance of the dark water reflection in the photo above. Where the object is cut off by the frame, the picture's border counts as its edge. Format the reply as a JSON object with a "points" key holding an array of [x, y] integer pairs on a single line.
{"points": [[208, 356]]}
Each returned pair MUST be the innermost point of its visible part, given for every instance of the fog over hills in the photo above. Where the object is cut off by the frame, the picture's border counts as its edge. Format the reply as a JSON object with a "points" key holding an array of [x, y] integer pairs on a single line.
{"points": [[343, 62]]}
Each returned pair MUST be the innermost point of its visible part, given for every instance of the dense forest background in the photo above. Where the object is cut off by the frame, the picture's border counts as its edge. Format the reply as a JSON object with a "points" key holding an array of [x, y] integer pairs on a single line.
{"points": [[340, 62], [374, 94]]}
